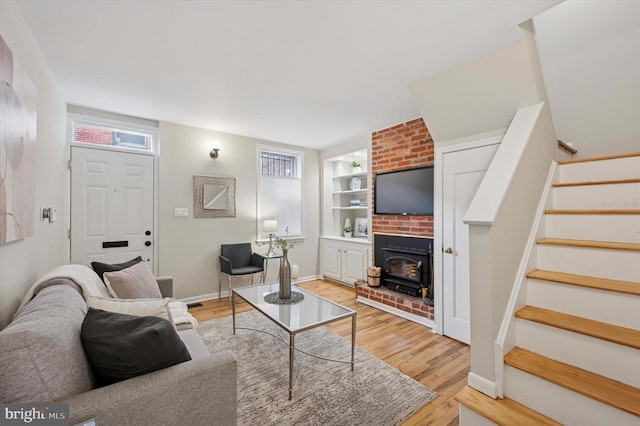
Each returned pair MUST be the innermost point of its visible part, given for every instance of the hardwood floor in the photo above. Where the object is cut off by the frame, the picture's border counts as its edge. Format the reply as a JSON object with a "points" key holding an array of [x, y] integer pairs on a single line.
{"points": [[436, 361]]}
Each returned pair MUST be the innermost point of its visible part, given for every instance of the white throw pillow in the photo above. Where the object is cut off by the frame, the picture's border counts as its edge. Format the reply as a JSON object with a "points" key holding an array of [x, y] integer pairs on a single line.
{"points": [[134, 282], [137, 307]]}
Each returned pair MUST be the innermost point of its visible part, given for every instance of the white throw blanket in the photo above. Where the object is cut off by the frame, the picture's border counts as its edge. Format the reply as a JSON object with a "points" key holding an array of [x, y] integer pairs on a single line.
{"points": [[82, 275], [91, 285], [181, 315]]}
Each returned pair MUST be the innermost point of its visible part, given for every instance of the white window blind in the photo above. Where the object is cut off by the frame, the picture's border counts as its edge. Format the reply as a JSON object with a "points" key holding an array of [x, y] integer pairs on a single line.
{"points": [[280, 190]]}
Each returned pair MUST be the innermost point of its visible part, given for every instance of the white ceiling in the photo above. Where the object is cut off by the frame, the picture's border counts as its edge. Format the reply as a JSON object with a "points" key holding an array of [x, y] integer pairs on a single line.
{"points": [[308, 73]]}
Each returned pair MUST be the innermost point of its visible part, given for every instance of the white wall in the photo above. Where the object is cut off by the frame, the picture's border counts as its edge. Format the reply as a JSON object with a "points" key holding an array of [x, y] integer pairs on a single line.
{"points": [[189, 247], [479, 96], [23, 262], [590, 55]]}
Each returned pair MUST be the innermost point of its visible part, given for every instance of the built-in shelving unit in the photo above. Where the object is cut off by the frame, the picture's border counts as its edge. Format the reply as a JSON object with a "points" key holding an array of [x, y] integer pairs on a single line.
{"points": [[346, 195], [347, 192]]}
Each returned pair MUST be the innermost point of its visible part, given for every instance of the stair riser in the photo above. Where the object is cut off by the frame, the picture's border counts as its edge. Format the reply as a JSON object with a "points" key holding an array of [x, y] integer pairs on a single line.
{"points": [[561, 404], [594, 171], [614, 196], [601, 357], [600, 263], [469, 417], [602, 227], [599, 305]]}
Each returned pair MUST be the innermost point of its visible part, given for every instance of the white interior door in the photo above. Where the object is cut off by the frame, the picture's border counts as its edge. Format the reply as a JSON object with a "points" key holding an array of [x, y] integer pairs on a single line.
{"points": [[111, 206], [462, 172]]}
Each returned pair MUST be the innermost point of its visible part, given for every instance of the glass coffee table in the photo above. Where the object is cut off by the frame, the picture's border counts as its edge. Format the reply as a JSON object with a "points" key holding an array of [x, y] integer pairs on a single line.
{"points": [[311, 312]]}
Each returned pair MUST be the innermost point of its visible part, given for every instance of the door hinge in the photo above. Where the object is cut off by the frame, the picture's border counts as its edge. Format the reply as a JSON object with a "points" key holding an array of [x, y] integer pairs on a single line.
{"points": [[69, 164], [69, 234]]}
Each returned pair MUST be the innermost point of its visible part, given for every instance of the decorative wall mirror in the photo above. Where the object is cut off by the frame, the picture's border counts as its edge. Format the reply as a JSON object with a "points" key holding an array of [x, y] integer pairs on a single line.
{"points": [[214, 196]]}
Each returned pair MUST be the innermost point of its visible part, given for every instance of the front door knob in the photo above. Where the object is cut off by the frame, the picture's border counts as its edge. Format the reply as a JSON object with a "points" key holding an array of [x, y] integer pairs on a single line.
{"points": [[147, 243], [448, 250]]}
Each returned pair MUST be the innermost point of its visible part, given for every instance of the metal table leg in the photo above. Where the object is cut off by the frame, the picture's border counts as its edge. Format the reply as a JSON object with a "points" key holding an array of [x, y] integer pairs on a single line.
{"points": [[292, 350], [233, 311], [353, 340]]}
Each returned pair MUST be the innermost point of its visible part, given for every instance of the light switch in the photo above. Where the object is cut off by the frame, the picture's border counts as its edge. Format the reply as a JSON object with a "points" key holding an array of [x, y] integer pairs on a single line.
{"points": [[181, 212]]}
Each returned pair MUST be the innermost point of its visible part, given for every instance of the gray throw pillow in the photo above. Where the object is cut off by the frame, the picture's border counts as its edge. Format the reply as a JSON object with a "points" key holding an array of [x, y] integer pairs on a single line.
{"points": [[134, 282]]}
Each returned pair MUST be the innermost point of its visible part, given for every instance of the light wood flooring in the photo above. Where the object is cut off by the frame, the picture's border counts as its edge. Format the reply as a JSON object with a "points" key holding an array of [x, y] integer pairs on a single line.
{"points": [[436, 361]]}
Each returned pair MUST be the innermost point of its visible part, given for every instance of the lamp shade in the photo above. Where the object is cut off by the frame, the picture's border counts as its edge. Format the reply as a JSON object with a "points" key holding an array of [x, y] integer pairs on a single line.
{"points": [[270, 226]]}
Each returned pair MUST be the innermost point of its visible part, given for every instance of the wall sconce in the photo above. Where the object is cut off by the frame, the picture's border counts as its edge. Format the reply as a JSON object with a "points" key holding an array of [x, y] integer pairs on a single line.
{"points": [[214, 153], [270, 226]]}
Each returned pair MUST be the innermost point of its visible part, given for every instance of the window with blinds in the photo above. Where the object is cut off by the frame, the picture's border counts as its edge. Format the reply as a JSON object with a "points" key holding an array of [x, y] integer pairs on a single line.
{"points": [[280, 190]]}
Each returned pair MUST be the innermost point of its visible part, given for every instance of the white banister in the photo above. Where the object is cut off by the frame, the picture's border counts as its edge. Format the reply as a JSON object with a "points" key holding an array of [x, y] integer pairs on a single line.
{"points": [[500, 219], [506, 338], [488, 199]]}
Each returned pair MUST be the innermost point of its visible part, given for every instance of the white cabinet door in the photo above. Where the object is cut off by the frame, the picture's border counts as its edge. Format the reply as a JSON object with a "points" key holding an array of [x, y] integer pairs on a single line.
{"points": [[355, 259], [331, 259]]}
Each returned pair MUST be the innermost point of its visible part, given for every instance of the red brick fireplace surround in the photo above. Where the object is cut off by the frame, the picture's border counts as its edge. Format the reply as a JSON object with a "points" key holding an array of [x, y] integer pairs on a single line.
{"points": [[401, 147], [404, 146]]}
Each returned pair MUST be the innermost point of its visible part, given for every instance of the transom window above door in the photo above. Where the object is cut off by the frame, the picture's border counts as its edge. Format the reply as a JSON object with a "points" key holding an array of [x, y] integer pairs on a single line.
{"points": [[89, 133]]}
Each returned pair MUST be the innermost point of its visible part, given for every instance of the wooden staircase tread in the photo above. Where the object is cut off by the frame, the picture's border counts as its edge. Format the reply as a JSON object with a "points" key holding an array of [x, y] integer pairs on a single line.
{"points": [[608, 391], [600, 330], [504, 412], [596, 182], [608, 211], [605, 157], [590, 244], [627, 287]]}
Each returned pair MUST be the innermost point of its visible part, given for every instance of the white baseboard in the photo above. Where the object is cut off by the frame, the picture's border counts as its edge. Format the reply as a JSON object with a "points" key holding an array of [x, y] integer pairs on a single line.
{"points": [[483, 385]]}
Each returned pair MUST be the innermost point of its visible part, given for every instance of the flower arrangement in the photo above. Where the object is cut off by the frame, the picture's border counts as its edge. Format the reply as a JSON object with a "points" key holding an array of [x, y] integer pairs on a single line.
{"points": [[355, 164], [283, 243]]}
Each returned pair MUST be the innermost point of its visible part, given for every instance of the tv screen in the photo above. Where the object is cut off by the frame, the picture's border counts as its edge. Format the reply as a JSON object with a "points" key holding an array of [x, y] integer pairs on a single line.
{"points": [[405, 192]]}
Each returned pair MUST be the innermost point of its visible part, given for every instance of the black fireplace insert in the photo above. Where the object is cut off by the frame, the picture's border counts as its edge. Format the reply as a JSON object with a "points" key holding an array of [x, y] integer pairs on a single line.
{"points": [[406, 264]]}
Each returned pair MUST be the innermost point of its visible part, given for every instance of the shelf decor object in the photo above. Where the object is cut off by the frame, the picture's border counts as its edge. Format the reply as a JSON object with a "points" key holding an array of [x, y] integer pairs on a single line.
{"points": [[355, 183], [362, 227]]}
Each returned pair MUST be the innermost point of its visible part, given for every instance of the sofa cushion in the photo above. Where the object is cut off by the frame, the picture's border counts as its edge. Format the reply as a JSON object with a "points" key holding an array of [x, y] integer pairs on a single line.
{"points": [[134, 282], [41, 355], [122, 346], [139, 307], [101, 268]]}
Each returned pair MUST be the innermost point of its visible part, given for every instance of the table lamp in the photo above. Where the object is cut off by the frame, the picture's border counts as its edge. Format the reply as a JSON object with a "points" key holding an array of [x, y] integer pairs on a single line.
{"points": [[270, 226]]}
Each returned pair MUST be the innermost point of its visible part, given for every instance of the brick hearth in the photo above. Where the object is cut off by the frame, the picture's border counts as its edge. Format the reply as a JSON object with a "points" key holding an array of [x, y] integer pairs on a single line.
{"points": [[404, 302]]}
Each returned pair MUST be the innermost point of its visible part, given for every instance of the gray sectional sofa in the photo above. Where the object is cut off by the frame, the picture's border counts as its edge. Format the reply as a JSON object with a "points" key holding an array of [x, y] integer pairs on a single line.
{"points": [[42, 360]]}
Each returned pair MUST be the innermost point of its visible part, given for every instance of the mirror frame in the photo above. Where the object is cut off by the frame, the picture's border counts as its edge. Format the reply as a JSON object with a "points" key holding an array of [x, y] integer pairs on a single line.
{"points": [[198, 196]]}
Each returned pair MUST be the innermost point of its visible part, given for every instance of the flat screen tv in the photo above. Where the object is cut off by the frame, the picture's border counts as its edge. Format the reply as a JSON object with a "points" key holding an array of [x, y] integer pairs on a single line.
{"points": [[405, 192]]}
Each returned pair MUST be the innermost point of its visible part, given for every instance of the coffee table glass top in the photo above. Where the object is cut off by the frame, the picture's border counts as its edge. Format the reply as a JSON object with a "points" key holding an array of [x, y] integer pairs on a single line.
{"points": [[311, 312]]}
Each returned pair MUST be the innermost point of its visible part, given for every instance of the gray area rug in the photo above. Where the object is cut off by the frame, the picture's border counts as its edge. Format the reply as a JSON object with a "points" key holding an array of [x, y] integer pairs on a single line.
{"points": [[324, 392]]}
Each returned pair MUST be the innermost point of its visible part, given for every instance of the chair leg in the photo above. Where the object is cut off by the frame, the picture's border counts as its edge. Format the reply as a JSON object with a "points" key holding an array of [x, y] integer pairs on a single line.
{"points": [[229, 288]]}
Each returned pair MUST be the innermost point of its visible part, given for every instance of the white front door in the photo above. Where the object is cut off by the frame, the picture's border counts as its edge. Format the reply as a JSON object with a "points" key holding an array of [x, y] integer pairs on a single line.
{"points": [[111, 206], [462, 172]]}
